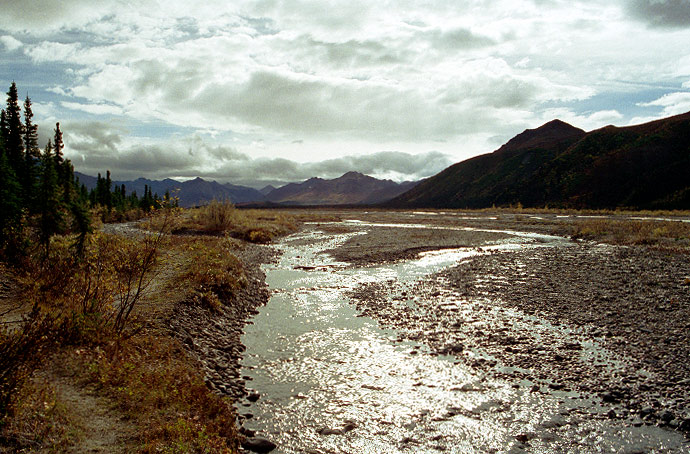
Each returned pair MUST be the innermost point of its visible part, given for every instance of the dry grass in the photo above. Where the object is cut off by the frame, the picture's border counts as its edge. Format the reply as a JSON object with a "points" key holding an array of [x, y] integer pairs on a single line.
{"points": [[668, 234], [155, 384], [213, 273], [40, 419], [158, 387], [222, 218]]}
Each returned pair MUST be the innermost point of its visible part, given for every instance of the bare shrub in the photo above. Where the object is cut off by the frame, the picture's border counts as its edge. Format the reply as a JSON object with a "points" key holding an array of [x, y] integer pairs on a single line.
{"points": [[134, 261]]}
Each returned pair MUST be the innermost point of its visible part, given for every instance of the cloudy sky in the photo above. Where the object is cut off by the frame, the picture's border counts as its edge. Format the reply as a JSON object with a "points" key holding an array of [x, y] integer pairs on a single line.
{"points": [[268, 90]]}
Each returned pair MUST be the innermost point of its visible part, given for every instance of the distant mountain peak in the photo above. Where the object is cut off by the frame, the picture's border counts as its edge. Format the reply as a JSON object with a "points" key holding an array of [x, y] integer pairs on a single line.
{"points": [[545, 135], [353, 174], [350, 188]]}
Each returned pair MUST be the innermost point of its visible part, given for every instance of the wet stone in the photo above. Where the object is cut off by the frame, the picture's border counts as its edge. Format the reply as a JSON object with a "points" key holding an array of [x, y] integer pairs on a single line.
{"points": [[258, 444]]}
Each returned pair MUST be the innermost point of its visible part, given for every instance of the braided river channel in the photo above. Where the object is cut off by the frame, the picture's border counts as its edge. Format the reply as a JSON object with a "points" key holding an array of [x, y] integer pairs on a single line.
{"points": [[332, 380]]}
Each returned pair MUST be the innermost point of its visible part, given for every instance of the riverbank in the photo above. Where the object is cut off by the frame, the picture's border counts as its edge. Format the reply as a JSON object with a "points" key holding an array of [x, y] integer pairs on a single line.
{"points": [[83, 383]]}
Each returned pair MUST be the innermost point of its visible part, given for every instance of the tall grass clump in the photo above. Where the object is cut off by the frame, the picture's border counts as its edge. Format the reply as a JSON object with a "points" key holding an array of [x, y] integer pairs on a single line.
{"points": [[223, 218], [218, 216]]}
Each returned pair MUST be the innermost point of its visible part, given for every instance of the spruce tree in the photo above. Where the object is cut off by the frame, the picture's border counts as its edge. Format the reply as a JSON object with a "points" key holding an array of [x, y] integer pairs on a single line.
{"points": [[81, 222], [50, 206], [66, 181], [10, 202], [4, 130], [32, 155], [58, 145], [108, 191], [14, 144]]}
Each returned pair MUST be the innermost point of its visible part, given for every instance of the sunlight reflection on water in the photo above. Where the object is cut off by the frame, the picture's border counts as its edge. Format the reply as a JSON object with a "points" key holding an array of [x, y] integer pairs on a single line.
{"points": [[320, 367]]}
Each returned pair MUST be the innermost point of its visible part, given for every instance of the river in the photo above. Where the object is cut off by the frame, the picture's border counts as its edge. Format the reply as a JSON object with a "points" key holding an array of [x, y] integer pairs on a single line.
{"points": [[330, 380]]}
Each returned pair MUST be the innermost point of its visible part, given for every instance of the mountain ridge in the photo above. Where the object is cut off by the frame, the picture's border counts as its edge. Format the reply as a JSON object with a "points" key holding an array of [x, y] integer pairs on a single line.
{"points": [[352, 188], [640, 167]]}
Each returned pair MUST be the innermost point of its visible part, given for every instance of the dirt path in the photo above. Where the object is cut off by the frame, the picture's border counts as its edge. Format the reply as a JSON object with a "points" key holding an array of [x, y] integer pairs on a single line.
{"points": [[100, 426]]}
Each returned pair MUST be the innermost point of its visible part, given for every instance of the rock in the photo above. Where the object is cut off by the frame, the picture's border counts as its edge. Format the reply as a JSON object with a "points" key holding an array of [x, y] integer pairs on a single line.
{"points": [[522, 438], [349, 426], [247, 432], [684, 425], [666, 416], [646, 411], [258, 444], [328, 431], [453, 349], [253, 396], [612, 396]]}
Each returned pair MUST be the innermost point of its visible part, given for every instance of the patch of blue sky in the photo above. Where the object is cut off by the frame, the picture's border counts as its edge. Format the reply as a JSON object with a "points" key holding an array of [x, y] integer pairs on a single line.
{"points": [[629, 104], [38, 80], [155, 129]]}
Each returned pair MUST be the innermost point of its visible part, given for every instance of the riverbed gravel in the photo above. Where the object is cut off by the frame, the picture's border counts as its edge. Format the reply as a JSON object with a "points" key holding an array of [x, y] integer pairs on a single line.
{"points": [[600, 320], [214, 336]]}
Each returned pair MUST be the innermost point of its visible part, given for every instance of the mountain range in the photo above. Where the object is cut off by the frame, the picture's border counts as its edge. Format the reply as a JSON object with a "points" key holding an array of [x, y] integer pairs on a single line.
{"points": [[638, 167], [645, 166], [352, 188]]}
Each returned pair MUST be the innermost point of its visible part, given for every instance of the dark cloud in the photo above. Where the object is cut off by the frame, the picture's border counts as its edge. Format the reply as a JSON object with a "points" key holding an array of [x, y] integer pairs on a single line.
{"points": [[661, 13], [38, 15], [352, 53], [361, 109], [94, 149], [92, 136], [403, 166]]}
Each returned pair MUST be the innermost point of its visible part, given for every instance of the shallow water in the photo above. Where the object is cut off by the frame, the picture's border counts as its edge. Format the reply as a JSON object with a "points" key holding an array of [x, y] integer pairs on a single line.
{"points": [[332, 381]]}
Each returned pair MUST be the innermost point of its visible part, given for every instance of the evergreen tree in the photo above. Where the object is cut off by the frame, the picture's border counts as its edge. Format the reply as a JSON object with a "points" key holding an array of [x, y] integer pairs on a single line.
{"points": [[10, 201], [66, 181], [14, 144], [81, 222], [32, 155], [4, 130], [50, 206], [108, 193], [58, 145]]}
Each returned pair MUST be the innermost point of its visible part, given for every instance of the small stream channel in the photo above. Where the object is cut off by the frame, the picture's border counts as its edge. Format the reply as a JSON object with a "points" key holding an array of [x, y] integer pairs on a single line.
{"points": [[332, 381]]}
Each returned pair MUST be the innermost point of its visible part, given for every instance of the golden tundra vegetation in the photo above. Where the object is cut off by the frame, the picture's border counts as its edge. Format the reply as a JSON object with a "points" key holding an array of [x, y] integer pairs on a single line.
{"points": [[91, 364]]}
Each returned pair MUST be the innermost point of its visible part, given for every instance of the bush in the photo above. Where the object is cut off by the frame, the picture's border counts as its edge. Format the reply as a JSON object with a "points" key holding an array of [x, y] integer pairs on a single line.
{"points": [[18, 351], [218, 216]]}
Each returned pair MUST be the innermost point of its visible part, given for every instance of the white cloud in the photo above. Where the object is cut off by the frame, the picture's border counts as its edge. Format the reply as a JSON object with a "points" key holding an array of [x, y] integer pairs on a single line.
{"points": [[11, 43], [671, 104], [96, 109], [347, 79]]}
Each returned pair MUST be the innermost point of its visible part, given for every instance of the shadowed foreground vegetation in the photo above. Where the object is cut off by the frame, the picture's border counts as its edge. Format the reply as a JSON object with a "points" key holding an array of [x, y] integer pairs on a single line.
{"points": [[98, 323]]}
